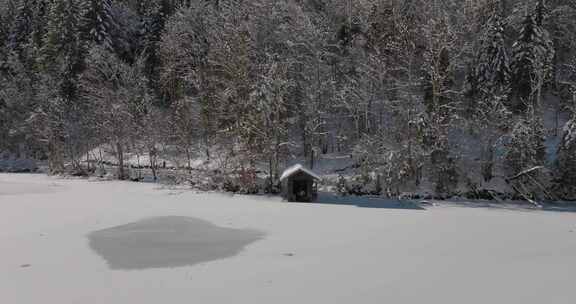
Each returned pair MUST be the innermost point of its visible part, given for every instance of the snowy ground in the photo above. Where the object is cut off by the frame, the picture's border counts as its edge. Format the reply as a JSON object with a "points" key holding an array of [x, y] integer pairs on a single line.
{"points": [[70, 241]]}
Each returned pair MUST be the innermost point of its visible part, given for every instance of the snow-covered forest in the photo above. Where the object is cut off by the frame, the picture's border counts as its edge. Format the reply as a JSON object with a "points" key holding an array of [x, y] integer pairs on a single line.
{"points": [[453, 97]]}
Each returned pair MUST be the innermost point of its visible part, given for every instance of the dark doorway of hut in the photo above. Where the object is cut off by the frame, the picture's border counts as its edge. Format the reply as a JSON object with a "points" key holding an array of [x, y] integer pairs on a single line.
{"points": [[299, 184], [300, 190]]}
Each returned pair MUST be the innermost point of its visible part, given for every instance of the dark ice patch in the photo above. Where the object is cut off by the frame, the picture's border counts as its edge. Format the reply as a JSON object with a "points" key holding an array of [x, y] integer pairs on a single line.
{"points": [[168, 242]]}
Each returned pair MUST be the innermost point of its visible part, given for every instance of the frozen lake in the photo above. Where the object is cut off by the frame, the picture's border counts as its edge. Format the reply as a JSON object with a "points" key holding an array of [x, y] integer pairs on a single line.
{"points": [[76, 241], [168, 242]]}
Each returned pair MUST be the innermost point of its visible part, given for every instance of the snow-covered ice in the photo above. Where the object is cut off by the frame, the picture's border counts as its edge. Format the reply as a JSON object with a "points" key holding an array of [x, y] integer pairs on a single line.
{"points": [[344, 252]]}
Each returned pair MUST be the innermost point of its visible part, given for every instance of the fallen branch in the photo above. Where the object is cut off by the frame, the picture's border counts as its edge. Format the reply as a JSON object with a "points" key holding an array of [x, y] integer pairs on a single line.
{"points": [[542, 188], [495, 197], [524, 195], [525, 172]]}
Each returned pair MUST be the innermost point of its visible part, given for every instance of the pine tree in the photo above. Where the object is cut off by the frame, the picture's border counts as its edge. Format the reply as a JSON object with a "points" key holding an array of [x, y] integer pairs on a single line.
{"points": [[99, 22], [62, 61], [541, 12], [3, 38], [492, 72], [533, 55], [183, 50], [64, 50], [154, 15], [39, 25], [566, 163], [21, 29]]}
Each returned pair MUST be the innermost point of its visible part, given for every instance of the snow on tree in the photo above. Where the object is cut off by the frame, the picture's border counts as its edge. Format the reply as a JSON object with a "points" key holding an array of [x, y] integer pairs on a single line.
{"points": [[541, 12], [61, 60], [39, 24], [260, 81], [271, 121], [154, 15], [185, 127], [63, 50], [565, 172], [120, 97], [566, 163], [125, 32], [21, 27], [3, 37], [532, 59], [184, 49], [525, 148], [17, 100], [488, 90], [98, 22], [492, 72]]}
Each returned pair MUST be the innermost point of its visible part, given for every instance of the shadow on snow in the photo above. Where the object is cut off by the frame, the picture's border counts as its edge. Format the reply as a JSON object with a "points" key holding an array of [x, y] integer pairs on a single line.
{"points": [[366, 202]]}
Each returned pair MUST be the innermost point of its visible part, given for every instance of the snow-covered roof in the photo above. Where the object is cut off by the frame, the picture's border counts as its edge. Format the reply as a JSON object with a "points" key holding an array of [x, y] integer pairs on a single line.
{"points": [[295, 169]]}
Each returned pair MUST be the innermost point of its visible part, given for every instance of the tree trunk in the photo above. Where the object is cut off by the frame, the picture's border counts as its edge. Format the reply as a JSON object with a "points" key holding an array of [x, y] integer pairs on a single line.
{"points": [[139, 167], [311, 159], [88, 159], [488, 163], [153, 155], [189, 159], [120, 156], [55, 154]]}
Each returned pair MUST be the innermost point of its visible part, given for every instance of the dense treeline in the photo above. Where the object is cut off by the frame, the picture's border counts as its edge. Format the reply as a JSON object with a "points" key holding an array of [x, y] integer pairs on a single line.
{"points": [[449, 93]]}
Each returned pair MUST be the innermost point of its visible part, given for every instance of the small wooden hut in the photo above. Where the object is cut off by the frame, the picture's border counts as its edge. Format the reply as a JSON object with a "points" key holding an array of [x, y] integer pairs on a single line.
{"points": [[299, 184]]}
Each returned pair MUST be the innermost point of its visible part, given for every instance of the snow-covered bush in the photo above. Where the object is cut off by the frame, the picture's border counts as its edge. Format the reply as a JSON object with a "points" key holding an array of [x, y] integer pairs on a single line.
{"points": [[443, 173], [341, 185], [565, 185], [271, 187], [359, 185], [244, 181], [526, 158], [525, 148], [384, 168]]}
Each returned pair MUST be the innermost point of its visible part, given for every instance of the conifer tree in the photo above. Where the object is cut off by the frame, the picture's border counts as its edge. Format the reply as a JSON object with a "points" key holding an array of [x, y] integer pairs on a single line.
{"points": [[541, 12], [3, 38], [62, 61], [532, 60], [40, 18], [64, 50], [492, 73], [21, 29], [99, 22], [154, 15], [566, 162]]}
